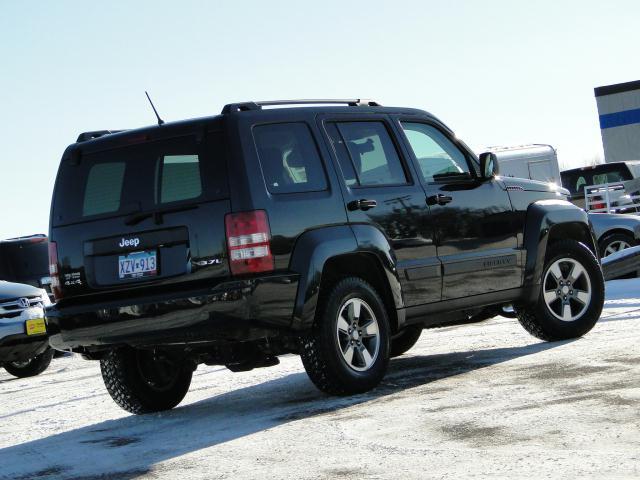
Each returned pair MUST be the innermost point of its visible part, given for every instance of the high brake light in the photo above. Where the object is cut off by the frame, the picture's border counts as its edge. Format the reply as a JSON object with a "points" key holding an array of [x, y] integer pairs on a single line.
{"points": [[53, 271], [248, 240]]}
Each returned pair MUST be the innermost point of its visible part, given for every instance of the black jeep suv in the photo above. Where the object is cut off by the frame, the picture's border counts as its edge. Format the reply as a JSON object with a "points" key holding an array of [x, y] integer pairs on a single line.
{"points": [[334, 232]]}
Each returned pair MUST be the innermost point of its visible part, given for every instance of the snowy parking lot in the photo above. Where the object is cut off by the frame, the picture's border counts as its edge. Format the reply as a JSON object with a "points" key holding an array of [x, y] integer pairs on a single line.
{"points": [[483, 400]]}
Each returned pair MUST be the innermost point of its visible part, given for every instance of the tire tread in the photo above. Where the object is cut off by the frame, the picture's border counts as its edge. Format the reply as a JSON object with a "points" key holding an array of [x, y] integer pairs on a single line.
{"points": [[532, 317], [315, 347]]}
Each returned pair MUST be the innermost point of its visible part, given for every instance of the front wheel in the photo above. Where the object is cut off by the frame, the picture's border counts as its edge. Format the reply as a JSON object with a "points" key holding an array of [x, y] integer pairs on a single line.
{"points": [[145, 381], [571, 295], [31, 367], [347, 350]]}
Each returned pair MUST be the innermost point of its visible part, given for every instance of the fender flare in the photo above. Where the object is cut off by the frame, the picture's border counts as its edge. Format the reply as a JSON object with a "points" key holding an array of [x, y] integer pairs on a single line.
{"points": [[315, 247], [541, 218]]}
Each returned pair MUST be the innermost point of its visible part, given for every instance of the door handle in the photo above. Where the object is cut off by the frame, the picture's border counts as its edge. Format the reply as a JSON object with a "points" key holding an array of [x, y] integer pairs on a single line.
{"points": [[362, 204], [439, 199]]}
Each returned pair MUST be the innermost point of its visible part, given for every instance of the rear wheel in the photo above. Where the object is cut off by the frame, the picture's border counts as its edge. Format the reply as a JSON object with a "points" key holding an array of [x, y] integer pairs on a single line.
{"points": [[145, 381], [405, 340], [571, 296], [347, 350], [31, 367]]}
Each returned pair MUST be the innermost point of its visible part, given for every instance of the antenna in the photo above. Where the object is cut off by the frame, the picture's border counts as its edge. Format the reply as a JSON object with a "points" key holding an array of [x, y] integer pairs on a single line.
{"points": [[160, 121]]}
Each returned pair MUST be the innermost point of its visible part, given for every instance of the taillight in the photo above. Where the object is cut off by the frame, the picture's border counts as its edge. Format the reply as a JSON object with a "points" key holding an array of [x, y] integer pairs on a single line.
{"points": [[53, 271], [248, 239]]}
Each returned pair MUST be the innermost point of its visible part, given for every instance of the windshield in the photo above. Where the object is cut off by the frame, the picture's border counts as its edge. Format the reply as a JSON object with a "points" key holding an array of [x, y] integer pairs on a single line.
{"points": [[24, 262]]}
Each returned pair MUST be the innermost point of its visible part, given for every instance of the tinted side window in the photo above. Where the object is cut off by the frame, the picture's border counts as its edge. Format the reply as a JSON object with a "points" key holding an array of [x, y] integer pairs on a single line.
{"points": [[289, 158], [373, 158], [437, 156]]}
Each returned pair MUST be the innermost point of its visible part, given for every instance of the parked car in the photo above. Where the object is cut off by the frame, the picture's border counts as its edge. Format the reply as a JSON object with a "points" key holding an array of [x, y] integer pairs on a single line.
{"points": [[25, 260], [322, 231], [576, 179], [536, 162], [615, 232], [24, 348]]}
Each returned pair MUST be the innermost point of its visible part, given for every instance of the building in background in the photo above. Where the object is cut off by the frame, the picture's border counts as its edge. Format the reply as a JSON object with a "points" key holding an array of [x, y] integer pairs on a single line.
{"points": [[619, 111]]}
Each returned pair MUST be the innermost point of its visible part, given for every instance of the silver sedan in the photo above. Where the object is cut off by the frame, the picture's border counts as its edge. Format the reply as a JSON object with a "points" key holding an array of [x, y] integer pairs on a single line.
{"points": [[615, 232]]}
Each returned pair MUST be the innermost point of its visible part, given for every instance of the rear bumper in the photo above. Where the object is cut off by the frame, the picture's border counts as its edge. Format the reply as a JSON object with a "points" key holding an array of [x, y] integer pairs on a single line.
{"points": [[232, 311]]}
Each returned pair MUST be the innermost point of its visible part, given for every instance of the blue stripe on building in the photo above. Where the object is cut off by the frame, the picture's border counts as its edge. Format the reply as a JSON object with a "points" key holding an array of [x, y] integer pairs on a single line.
{"points": [[619, 119]]}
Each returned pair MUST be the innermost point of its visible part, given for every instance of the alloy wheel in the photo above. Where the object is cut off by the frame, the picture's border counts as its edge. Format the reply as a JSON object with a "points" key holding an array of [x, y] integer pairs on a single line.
{"points": [[567, 289], [615, 246], [358, 335]]}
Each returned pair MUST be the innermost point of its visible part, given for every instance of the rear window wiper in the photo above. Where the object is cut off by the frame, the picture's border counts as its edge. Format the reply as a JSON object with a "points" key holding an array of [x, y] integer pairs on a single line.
{"points": [[136, 218]]}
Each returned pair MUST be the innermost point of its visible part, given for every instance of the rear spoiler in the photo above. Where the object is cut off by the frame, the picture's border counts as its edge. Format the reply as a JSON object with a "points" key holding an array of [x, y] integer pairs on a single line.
{"points": [[85, 136]]}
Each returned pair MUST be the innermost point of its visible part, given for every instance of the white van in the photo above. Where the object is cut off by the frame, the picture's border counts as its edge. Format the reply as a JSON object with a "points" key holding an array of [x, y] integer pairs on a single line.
{"points": [[536, 162]]}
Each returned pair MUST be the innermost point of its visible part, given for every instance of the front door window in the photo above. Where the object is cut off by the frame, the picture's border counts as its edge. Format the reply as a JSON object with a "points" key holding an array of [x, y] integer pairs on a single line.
{"points": [[437, 157]]}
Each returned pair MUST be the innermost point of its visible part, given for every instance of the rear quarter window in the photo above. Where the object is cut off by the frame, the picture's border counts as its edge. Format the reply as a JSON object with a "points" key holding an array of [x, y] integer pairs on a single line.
{"points": [[289, 158]]}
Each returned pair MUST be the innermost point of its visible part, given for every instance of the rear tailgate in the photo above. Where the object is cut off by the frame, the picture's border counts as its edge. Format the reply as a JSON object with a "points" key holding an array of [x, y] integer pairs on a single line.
{"points": [[136, 219]]}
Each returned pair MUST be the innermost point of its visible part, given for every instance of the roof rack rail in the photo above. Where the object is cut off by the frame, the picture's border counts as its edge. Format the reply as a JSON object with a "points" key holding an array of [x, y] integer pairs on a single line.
{"points": [[245, 106], [84, 136]]}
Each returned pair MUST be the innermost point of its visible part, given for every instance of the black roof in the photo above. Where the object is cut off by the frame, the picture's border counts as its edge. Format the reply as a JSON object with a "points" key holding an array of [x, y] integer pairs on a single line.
{"points": [[617, 88], [101, 138]]}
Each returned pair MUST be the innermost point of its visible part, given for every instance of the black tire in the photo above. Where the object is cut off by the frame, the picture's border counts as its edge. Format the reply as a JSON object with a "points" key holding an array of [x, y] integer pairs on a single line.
{"points": [[141, 381], [614, 238], [539, 320], [405, 340], [320, 349], [34, 366]]}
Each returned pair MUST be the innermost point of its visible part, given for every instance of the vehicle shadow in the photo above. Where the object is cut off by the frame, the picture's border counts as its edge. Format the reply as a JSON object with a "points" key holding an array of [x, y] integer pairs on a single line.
{"points": [[131, 446], [627, 310]]}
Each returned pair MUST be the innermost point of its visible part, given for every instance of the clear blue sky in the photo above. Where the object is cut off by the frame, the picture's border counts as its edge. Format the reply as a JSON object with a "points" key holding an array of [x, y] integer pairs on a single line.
{"points": [[498, 72]]}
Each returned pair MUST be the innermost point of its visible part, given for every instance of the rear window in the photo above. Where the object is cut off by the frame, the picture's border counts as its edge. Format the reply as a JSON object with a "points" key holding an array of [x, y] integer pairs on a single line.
{"points": [[140, 178], [180, 178], [103, 190], [575, 180]]}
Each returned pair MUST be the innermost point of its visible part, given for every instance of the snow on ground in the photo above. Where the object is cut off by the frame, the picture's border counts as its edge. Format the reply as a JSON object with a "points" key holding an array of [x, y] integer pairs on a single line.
{"points": [[475, 401]]}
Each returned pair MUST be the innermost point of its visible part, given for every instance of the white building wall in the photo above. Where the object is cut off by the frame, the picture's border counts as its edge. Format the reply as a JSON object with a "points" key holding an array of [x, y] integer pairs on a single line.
{"points": [[619, 112]]}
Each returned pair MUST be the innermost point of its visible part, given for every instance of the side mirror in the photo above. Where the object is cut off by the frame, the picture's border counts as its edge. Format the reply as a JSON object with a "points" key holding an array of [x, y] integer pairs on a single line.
{"points": [[488, 165]]}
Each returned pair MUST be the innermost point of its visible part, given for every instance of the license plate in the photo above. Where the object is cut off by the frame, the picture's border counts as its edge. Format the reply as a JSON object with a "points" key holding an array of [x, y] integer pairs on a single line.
{"points": [[138, 264], [35, 326]]}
